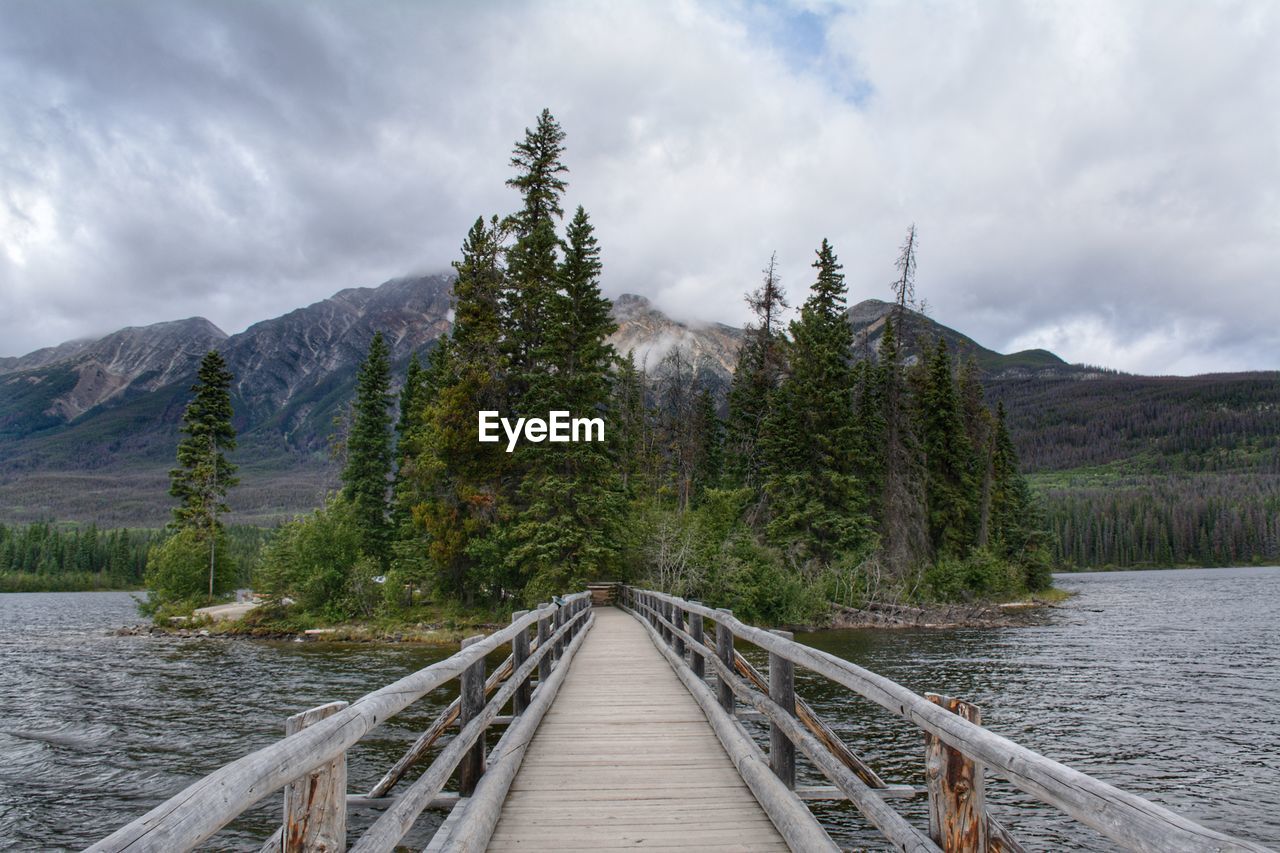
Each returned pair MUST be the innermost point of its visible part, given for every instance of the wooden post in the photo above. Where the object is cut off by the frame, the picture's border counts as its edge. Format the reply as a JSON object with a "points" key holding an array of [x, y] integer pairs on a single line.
{"points": [[695, 657], [677, 619], [520, 654], [315, 806], [724, 648], [471, 767], [782, 690], [544, 633], [957, 803], [556, 623]]}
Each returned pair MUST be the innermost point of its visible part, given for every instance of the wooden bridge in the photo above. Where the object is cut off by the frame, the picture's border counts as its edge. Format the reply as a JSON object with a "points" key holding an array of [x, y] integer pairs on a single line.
{"points": [[622, 730]]}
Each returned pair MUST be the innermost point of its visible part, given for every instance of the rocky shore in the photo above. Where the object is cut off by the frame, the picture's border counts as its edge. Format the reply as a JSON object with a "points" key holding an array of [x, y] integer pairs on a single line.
{"points": [[977, 615], [434, 635]]}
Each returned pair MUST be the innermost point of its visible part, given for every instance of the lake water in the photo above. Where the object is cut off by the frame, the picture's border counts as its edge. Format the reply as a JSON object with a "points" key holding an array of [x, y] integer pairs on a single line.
{"points": [[1164, 683]]}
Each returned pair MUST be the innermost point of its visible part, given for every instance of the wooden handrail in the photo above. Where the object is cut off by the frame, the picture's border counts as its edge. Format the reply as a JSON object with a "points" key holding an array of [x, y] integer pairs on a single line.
{"points": [[197, 812], [1132, 821], [473, 832], [396, 821]]}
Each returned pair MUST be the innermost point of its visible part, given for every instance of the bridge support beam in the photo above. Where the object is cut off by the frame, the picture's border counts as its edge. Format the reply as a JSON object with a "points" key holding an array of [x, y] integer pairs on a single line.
{"points": [[471, 767], [315, 806], [782, 690], [677, 619], [696, 661], [957, 802], [544, 634], [520, 654], [724, 650]]}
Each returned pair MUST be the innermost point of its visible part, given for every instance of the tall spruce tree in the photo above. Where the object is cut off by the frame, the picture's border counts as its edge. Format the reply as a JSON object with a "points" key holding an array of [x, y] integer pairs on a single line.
{"points": [[980, 427], [710, 468], [869, 437], [755, 378], [367, 475], [1017, 527], [904, 531], [408, 437], [816, 504], [532, 261], [571, 494], [950, 490], [631, 434], [464, 484], [203, 476]]}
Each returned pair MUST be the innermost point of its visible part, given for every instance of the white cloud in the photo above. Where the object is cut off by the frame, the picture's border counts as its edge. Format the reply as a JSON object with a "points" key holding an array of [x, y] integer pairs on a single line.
{"points": [[1096, 175]]}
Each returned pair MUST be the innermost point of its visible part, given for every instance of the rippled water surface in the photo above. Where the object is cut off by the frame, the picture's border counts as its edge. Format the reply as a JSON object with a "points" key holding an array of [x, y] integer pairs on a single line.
{"points": [[1165, 683]]}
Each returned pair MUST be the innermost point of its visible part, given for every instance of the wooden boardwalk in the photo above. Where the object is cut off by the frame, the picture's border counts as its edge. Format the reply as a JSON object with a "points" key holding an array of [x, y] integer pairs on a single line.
{"points": [[625, 759], [624, 744]]}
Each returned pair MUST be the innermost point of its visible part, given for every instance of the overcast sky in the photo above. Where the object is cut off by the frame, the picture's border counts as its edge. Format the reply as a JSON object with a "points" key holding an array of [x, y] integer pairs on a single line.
{"points": [[1098, 178]]}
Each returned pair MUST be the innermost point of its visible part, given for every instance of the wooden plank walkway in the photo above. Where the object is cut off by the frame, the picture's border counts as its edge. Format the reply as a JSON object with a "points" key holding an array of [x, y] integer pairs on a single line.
{"points": [[626, 759]]}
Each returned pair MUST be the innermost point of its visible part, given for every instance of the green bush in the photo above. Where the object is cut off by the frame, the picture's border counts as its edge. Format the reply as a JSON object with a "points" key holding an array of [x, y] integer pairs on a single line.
{"points": [[311, 560], [178, 569], [979, 575]]}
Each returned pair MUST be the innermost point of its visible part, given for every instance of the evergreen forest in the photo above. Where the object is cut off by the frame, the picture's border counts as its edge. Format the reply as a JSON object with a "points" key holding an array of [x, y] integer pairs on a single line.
{"points": [[819, 477]]}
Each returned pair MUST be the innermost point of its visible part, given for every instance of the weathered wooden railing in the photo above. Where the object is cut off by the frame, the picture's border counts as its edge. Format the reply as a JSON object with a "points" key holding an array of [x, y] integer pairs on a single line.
{"points": [[310, 762], [957, 749]]}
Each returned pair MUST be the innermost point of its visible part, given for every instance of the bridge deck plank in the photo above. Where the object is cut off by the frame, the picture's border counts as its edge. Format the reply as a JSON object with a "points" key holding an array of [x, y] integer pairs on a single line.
{"points": [[625, 758]]}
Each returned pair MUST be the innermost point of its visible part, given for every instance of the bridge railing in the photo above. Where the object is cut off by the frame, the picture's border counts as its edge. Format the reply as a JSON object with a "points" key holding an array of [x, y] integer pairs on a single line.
{"points": [[311, 759], [957, 750]]}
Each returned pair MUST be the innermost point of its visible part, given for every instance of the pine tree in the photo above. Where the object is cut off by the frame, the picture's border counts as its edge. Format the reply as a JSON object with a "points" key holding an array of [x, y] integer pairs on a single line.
{"points": [[979, 427], [755, 378], [869, 440], [631, 430], [203, 476], [408, 437], [367, 475], [950, 489], [571, 494], [581, 356], [904, 534], [710, 467], [538, 167], [679, 439], [532, 262], [816, 504], [411, 401], [462, 486], [1017, 527]]}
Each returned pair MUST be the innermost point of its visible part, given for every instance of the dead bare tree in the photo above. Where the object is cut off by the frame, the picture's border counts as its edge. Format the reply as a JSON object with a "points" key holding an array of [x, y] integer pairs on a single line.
{"points": [[904, 529]]}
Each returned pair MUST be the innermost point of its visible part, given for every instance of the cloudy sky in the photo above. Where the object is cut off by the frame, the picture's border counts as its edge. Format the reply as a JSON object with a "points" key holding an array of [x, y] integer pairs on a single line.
{"points": [[1099, 177]]}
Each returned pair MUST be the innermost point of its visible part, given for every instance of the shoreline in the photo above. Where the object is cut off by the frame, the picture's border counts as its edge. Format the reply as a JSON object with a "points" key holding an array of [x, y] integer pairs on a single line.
{"points": [[980, 614], [871, 616], [423, 634]]}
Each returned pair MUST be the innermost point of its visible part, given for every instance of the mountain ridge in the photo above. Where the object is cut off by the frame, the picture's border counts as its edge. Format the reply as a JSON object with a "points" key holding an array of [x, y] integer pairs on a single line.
{"points": [[88, 428]]}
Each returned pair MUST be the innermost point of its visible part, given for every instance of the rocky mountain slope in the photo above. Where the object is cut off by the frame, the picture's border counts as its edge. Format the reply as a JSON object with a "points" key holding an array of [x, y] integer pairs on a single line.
{"points": [[868, 317]]}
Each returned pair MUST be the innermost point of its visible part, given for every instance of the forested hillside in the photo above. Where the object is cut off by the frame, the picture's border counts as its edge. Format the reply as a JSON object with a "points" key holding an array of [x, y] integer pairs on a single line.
{"points": [[1143, 471], [44, 557]]}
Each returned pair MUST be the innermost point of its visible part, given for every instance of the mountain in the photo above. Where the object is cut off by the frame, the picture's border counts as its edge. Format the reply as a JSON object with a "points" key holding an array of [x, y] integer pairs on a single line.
{"points": [[59, 384], [868, 317], [296, 372], [88, 428], [649, 335]]}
